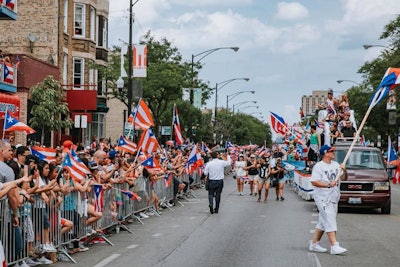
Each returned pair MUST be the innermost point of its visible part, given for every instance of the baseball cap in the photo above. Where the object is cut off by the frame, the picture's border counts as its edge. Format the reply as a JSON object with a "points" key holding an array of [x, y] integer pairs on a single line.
{"points": [[324, 149], [240, 155], [252, 156], [112, 154], [330, 91]]}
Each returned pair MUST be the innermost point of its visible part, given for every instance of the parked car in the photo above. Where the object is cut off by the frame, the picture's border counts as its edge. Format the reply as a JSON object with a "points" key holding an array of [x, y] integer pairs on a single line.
{"points": [[368, 184]]}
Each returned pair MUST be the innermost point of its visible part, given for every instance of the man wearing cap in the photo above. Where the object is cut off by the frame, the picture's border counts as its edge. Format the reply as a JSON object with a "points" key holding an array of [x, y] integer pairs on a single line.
{"points": [[215, 171], [326, 196]]}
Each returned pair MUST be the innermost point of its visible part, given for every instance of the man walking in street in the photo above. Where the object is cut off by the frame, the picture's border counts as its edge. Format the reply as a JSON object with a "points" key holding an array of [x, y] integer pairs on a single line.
{"points": [[215, 171], [326, 196]]}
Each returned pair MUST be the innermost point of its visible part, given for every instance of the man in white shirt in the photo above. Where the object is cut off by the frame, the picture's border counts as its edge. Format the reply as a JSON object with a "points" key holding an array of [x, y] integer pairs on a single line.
{"points": [[215, 171]]}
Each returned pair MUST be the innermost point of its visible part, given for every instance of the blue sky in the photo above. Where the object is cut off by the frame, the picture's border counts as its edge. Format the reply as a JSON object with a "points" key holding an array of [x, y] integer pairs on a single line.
{"points": [[287, 49]]}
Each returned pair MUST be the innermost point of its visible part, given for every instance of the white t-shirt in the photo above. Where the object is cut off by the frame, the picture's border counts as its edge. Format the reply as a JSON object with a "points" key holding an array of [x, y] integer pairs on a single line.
{"points": [[326, 173], [240, 172]]}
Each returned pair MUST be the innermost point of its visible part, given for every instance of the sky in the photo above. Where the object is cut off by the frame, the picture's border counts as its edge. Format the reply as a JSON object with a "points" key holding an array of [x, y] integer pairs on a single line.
{"points": [[287, 49]]}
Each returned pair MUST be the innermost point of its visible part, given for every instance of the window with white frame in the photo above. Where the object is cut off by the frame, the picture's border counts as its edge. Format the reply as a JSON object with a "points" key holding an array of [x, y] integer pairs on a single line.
{"points": [[79, 20], [65, 69], [92, 23], [78, 72], [65, 15]]}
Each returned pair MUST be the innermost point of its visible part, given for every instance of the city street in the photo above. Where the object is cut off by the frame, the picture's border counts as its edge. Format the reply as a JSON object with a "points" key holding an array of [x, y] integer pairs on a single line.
{"points": [[247, 233]]}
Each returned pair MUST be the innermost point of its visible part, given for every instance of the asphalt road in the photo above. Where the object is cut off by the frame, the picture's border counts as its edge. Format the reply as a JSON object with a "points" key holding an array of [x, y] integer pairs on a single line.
{"points": [[247, 233]]}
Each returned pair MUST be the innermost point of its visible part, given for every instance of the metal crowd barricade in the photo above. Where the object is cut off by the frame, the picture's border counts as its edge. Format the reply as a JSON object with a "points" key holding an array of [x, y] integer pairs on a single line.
{"points": [[14, 244], [73, 209]]}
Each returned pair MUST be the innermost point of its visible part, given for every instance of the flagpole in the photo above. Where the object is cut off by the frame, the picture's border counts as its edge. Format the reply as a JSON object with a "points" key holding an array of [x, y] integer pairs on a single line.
{"points": [[4, 125], [173, 117]]}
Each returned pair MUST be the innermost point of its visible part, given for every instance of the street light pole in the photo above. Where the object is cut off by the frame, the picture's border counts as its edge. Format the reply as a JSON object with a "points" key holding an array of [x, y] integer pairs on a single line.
{"points": [[340, 81], [233, 95], [241, 103], [205, 53], [366, 46], [130, 59], [223, 83], [251, 106]]}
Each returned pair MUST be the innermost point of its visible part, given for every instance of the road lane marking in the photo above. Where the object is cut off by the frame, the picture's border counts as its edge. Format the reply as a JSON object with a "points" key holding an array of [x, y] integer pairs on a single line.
{"points": [[313, 259], [314, 222], [157, 235], [312, 231], [106, 261], [132, 246], [314, 214]]}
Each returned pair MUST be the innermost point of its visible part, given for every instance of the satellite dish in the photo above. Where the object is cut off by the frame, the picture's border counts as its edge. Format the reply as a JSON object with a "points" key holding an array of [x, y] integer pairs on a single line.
{"points": [[31, 37]]}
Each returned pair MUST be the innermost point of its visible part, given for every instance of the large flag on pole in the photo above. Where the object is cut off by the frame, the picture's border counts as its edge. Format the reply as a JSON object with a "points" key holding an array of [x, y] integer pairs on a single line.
{"points": [[389, 81], [44, 153], [12, 124], [278, 123], [391, 151], [148, 142], [177, 127], [142, 116]]}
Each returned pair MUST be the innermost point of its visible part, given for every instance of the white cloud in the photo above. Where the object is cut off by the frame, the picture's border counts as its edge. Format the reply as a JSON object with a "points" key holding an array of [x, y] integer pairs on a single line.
{"points": [[358, 14], [291, 11]]}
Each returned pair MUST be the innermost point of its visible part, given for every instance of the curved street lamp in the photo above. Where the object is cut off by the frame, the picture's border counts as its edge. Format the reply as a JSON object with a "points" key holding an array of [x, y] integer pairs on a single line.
{"points": [[241, 103], [204, 54], [367, 46], [251, 106], [221, 85], [340, 81], [231, 96]]}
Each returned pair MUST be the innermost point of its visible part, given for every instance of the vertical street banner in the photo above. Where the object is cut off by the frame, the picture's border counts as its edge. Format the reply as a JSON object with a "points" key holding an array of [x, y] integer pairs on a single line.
{"points": [[197, 97], [139, 61], [185, 94]]}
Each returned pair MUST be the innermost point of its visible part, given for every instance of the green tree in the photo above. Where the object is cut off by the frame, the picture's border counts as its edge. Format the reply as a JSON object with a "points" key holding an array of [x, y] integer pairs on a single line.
{"points": [[372, 73], [49, 108]]}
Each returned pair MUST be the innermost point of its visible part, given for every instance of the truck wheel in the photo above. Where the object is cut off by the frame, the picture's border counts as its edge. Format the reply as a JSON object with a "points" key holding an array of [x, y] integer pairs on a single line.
{"points": [[386, 209]]}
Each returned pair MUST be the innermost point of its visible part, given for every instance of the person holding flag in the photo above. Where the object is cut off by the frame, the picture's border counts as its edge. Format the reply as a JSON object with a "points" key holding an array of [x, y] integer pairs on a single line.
{"points": [[326, 197], [215, 171]]}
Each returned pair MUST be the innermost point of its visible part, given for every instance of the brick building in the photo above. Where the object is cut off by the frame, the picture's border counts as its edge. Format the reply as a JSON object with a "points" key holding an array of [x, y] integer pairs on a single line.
{"points": [[70, 35]]}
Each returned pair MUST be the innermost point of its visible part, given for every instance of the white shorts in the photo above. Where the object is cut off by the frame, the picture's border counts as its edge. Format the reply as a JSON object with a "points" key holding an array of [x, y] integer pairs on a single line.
{"points": [[252, 177], [327, 216]]}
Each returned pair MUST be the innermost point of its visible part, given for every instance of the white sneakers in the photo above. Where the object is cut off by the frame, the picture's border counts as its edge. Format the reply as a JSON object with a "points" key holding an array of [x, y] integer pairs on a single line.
{"points": [[49, 248], [317, 247], [336, 249], [44, 260]]}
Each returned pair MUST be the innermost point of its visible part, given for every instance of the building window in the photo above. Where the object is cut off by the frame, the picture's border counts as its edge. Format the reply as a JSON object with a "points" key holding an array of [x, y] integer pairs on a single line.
{"points": [[102, 40], [92, 77], [98, 124], [65, 69], [65, 15], [92, 23], [78, 73], [101, 84], [79, 20]]}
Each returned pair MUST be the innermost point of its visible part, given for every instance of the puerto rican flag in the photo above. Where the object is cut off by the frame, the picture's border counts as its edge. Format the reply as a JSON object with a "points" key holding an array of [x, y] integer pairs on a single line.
{"points": [[177, 127], [10, 4], [194, 161], [126, 145], [12, 124], [131, 195], [141, 116], [389, 81], [148, 142], [8, 73], [44, 153], [150, 163], [98, 197], [278, 123], [167, 179], [77, 169]]}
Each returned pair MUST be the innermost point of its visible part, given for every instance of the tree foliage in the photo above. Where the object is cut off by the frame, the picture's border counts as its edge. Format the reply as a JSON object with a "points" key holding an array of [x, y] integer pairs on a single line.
{"points": [[49, 109]]}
